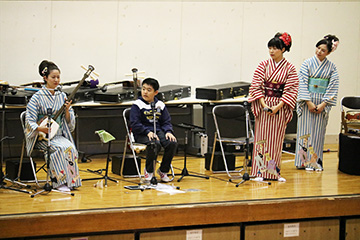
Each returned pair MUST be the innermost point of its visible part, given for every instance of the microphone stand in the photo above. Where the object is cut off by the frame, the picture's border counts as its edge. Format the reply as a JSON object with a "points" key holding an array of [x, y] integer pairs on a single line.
{"points": [[246, 176], [48, 187], [153, 180], [3, 138]]}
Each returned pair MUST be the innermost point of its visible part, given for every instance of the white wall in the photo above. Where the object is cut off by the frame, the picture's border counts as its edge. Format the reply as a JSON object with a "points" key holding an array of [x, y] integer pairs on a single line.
{"points": [[196, 43]]}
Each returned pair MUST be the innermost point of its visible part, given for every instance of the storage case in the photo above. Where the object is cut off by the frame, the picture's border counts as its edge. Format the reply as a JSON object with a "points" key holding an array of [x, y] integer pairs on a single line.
{"points": [[173, 92], [223, 91], [12, 168], [218, 164], [115, 95], [129, 165], [83, 94]]}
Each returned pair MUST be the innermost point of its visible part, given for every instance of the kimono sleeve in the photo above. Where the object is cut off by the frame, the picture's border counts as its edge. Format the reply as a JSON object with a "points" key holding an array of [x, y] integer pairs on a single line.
{"points": [[291, 88], [332, 89]]}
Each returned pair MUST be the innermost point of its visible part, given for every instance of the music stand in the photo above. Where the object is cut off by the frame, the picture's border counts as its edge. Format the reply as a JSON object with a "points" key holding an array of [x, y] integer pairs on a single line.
{"points": [[184, 171], [105, 137]]}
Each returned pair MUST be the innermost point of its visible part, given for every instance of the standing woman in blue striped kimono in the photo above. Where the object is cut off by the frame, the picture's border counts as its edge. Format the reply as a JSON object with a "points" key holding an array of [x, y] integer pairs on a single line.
{"points": [[318, 90], [64, 171]]}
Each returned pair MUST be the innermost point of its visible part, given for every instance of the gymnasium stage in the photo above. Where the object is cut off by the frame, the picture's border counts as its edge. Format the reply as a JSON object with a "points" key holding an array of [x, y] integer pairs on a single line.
{"points": [[213, 206]]}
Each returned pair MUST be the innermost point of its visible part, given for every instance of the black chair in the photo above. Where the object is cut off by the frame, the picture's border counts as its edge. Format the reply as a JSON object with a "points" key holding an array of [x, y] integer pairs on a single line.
{"points": [[349, 137], [230, 130]]}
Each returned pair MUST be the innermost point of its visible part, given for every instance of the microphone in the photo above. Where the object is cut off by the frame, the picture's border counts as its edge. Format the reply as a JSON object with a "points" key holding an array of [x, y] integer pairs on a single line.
{"points": [[266, 109], [58, 88], [49, 112], [152, 104]]}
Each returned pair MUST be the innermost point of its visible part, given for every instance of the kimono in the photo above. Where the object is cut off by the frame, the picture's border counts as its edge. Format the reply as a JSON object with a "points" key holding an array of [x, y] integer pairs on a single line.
{"points": [[63, 167], [319, 82], [275, 83]]}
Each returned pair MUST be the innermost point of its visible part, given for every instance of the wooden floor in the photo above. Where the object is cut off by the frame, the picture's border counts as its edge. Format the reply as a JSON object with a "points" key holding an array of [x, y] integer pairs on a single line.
{"points": [[214, 201]]}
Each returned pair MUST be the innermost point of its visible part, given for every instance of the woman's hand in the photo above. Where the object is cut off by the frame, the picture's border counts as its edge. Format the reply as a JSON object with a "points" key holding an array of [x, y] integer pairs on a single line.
{"points": [[43, 129], [67, 105], [276, 108], [320, 107], [312, 107]]}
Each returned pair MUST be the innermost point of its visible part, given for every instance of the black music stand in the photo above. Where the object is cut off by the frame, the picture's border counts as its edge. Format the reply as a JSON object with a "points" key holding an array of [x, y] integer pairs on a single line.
{"points": [[105, 137], [184, 171]]}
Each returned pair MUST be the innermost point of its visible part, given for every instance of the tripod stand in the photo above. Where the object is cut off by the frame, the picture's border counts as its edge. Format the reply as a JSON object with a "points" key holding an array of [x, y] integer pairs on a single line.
{"points": [[48, 187], [4, 89], [246, 176], [105, 137], [184, 171]]}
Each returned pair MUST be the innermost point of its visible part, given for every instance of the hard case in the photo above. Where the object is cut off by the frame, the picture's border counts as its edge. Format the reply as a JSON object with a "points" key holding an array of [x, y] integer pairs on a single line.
{"points": [[173, 92], [115, 95], [83, 94], [223, 91]]}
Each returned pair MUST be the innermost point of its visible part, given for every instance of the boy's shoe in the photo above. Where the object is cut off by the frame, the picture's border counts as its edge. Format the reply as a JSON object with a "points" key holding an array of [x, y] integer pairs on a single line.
{"points": [[164, 177], [148, 176]]}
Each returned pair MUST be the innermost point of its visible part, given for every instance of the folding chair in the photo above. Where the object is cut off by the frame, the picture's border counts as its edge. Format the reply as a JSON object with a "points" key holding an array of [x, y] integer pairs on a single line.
{"points": [[23, 149], [232, 118], [136, 148]]}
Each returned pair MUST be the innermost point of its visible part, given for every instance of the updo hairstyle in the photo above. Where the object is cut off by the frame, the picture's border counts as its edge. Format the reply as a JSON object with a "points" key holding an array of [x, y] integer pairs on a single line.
{"points": [[280, 41]]}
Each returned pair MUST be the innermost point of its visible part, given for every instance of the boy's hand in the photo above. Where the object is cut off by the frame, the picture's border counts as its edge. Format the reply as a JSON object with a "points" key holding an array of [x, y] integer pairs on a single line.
{"points": [[152, 136], [170, 136]]}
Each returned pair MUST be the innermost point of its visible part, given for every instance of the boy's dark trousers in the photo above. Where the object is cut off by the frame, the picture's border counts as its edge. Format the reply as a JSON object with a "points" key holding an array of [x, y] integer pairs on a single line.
{"points": [[154, 147]]}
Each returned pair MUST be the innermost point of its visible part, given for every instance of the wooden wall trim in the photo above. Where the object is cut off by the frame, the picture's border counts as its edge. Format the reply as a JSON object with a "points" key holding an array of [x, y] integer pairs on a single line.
{"points": [[123, 219]]}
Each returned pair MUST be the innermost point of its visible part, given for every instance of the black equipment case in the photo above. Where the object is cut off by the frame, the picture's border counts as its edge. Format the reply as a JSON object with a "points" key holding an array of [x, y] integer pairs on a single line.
{"points": [[349, 158], [129, 165], [18, 97], [223, 91], [83, 94], [218, 164], [115, 95], [173, 92]]}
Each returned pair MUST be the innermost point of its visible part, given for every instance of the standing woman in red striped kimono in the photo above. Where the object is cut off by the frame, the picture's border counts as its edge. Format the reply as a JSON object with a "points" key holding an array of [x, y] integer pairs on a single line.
{"points": [[273, 94]]}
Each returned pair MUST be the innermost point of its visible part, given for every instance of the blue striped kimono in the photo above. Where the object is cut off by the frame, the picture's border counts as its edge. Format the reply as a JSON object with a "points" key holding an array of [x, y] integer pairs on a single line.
{"points": [[311, 127], [63, 154]]}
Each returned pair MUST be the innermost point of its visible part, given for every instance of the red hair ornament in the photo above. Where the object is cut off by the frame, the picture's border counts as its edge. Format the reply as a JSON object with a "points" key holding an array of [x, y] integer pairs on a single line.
{"points": [[286, 38]]}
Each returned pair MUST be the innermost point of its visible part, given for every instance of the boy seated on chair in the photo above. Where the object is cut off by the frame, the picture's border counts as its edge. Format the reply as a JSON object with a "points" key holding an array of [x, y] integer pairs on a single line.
{"points": [[142, 125]]}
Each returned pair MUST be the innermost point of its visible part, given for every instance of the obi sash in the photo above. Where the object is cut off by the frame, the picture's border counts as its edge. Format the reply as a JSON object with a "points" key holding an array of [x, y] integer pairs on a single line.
{"points": [[318, 85], [274, 89]]}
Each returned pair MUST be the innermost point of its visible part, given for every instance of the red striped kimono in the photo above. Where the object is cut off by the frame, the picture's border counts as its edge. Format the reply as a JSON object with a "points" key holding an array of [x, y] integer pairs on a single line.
{"points": [[270, 130]]}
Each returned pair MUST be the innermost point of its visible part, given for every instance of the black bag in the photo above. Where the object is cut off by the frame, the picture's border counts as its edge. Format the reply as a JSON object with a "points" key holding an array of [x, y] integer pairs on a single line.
{"points": [[129, 165], [222, 91], [173, 92], [12, 168], [218, 162], [349, 158]]}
